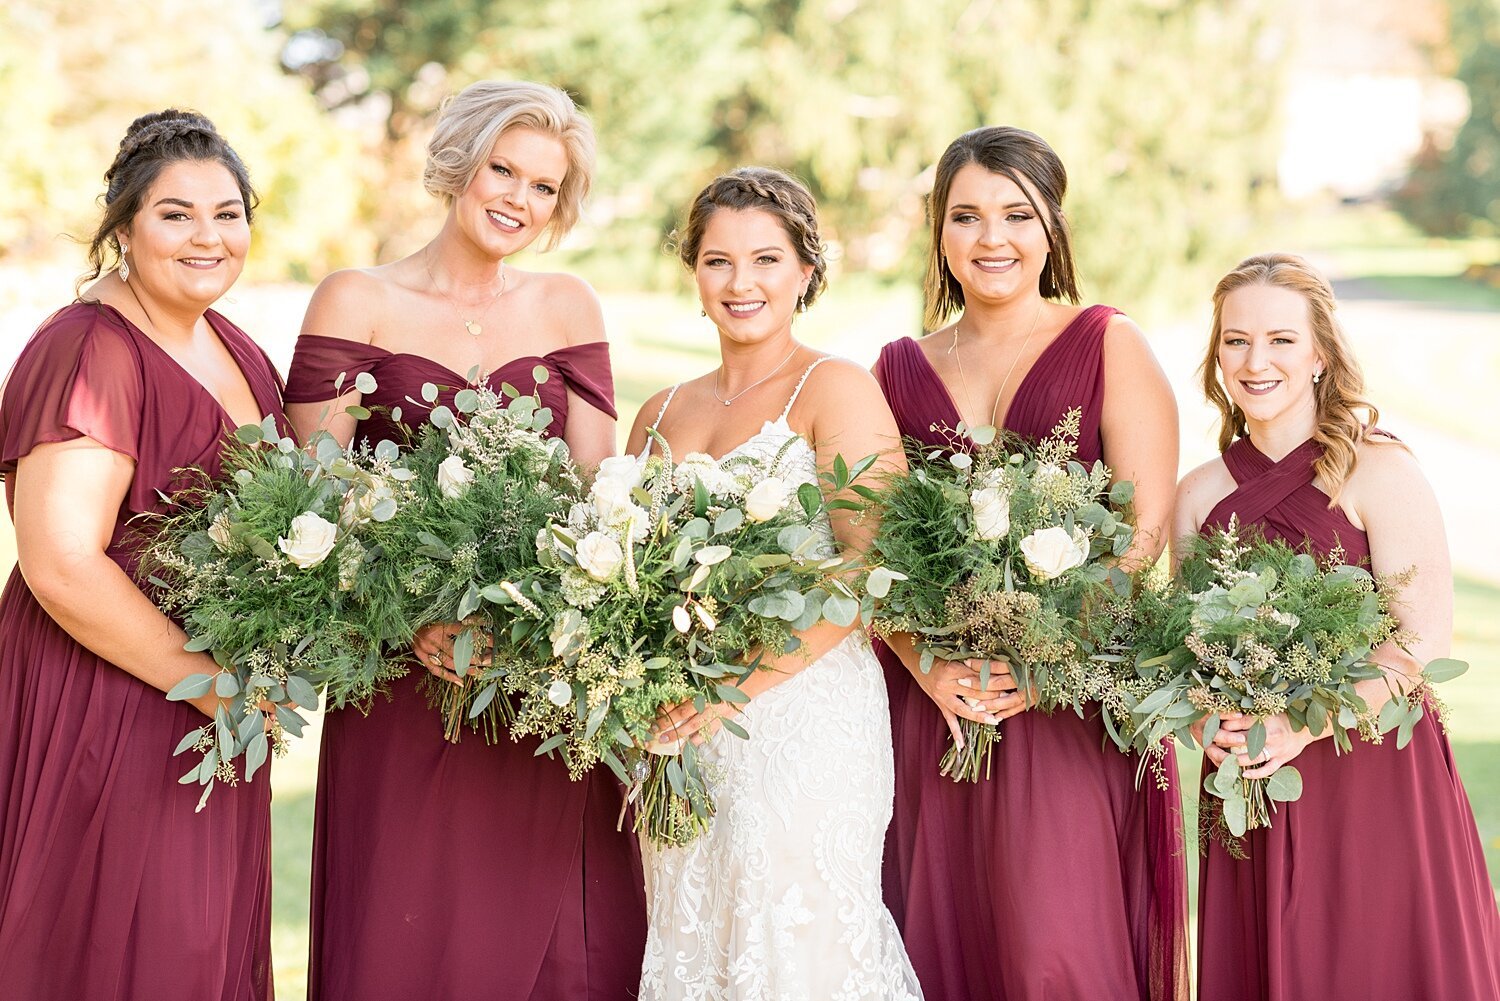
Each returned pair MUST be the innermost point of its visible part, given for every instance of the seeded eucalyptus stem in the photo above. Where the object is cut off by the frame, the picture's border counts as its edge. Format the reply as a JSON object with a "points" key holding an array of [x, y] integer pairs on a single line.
{"points": [[971, 762]]}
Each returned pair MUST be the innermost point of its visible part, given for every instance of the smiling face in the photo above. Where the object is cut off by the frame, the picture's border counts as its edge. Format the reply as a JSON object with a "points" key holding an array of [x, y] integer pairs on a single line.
{"points": [[511, 199], [993, 240], [187, 244], [1267, 353], [749, 276]]}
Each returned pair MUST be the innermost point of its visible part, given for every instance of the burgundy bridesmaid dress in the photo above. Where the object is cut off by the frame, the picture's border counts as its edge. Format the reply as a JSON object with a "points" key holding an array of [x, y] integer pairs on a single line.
{"points": [[462, 871], [111, 887], [1056, 877], [1373, 885]]}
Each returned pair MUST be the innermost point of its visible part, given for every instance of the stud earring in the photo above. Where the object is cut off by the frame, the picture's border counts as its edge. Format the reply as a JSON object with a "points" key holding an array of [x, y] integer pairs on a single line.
{"points": [[124, 265], [702, 312], [1317, 378]]}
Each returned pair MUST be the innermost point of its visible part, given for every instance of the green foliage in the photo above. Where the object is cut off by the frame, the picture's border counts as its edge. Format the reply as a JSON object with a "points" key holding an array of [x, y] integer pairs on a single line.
{"points": [[1002, 551], [1162, 109], [72, 80], [1456, 192]]}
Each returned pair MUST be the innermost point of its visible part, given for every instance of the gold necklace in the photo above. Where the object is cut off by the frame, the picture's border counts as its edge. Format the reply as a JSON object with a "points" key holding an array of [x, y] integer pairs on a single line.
{"points": [[720, 371], [963, 380], [472, 326]]}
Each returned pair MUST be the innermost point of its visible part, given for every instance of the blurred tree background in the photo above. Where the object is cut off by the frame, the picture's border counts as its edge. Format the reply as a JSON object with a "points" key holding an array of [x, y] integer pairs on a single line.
{"points": [[1165, 111]]}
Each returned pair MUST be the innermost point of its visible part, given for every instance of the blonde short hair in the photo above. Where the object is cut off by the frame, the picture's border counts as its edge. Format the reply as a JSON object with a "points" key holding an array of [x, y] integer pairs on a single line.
{"points": [[471, 121]]}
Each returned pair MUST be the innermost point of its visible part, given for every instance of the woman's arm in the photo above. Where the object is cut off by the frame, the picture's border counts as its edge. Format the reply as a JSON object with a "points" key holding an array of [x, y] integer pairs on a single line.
{"points": [[590, 432], [1139, 428], [67, 495]]}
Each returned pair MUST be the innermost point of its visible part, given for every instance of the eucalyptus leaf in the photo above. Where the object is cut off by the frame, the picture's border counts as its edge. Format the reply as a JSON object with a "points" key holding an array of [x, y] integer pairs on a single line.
{"points": [[1235, 809], [191, 687], [364, 382], [255, 754], [1444, 669], [1284, 785]]}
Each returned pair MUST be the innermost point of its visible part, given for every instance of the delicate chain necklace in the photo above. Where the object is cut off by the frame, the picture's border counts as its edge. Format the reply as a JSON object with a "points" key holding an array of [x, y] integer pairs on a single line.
{"points": [[472, 326], [953, 350], [720, 371]]}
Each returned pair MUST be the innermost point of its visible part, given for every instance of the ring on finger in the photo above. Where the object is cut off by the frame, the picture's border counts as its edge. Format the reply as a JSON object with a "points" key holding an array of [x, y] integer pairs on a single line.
{"points": [[436, 659]]}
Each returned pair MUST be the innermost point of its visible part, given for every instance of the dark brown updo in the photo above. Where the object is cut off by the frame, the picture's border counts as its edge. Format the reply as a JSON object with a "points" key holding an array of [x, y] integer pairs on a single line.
{"points": [[769, 190], [151, 143], [1026, 159]]}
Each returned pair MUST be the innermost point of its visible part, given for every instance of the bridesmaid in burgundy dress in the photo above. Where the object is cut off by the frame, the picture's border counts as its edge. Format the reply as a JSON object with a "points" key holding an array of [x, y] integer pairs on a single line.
{"points": [[1373, 884], [111, 887], [1056, 877], [468, 871]]}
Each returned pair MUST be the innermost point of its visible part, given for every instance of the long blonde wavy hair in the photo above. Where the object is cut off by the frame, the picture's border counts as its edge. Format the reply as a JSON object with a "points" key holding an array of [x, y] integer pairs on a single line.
{"points": [[1339, 395]]}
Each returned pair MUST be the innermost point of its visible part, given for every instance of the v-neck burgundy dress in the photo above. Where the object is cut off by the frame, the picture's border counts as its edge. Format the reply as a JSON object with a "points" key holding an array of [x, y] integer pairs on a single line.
{"points": [[462, 871], [1373, 885], [1056, 877], [111, 887]]}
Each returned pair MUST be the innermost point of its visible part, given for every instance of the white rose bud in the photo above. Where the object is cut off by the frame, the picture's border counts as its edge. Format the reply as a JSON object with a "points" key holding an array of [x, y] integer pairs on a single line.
{"points": [[1051, 552], [599, 555], [560, 693], [219, 531], [359, 504], [991, 513], [453, 477], [766, 499], [310, 540]]}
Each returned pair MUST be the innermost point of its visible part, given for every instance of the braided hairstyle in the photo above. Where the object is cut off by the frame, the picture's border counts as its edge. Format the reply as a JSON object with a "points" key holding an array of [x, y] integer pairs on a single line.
{"points": [[768, 190], [151, 143]]}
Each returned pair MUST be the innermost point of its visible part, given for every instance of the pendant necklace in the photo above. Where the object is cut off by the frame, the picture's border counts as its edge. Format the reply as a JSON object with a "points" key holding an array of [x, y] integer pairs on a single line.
{"points": [[963, 381], [472, 326], [720, 371]]}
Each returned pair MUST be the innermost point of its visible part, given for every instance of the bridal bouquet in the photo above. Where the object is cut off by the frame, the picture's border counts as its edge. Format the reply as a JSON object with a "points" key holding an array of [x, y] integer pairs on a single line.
{"points": [[484, 480], [1255, 627], [1000, 552], [667, 584], [266, 570]]}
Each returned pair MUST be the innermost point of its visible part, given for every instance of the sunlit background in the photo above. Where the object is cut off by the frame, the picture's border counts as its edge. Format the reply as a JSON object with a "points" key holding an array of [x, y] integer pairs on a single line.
{"points": [[1363, 133]]}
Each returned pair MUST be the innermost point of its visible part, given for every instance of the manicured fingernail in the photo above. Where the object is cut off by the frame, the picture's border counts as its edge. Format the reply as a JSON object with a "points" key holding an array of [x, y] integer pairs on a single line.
{"points": [[964, 683], [991, 719]]}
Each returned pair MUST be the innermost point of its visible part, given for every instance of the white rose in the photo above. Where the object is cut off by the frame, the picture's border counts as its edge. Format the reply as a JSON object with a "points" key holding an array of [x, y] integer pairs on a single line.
{"points": [[219, 532], [991, 513], [453, 477], [310, 540], [560, 693], [1051, 552], [599, 555], [766, 499], [613, 501], [624, 469], [702, 466]]}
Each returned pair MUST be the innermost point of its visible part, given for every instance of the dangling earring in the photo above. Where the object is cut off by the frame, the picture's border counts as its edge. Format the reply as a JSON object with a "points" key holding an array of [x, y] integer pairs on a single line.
{"points": [[124, 265], [1317, 378]]}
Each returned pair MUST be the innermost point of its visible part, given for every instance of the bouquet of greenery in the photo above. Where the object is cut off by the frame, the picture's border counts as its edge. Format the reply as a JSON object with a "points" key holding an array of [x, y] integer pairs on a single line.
{"points": [[666, 584], [1001, 551], [1256, 627], [484, 481], [266, 570]]}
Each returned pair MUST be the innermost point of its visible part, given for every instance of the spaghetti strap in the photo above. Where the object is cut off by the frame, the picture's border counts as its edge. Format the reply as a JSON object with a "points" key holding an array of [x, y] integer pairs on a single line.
{"points": [[800, 383], [659, 415]]}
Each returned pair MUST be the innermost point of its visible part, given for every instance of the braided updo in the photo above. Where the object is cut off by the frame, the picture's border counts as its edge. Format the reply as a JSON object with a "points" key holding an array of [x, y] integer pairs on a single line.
{"points": [[151, 143], [771, 191]]}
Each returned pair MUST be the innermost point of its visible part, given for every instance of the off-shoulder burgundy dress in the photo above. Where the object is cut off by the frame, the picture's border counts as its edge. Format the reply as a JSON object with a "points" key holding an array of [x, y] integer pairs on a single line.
{"points": [[1056, 877], [111, 887], [1373, 884], [462, 871]]}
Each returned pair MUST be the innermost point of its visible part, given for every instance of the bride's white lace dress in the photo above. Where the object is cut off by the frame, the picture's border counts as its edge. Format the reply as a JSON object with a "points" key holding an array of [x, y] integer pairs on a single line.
{"points": [[781, 899]]}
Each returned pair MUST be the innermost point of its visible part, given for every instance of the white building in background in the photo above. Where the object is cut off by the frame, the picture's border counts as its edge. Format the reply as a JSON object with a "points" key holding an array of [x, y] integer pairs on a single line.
{"points": [[1363, 89]]}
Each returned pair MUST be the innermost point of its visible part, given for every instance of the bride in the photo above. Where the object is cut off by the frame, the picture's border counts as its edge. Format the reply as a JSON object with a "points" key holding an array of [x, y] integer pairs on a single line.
{"points": [[781, 898]]}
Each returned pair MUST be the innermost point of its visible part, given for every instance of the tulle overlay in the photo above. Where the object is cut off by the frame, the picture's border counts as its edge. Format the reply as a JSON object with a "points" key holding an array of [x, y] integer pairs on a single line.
{"points": [[111, 887], [1373, 885], [461, 871], [1056, 877]]}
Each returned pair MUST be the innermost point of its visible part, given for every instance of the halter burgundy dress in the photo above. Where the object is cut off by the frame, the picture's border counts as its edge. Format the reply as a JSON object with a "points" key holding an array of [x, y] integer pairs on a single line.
{"points": [[1056, 877], [1373, 884], [111, 887], [462, 871]]}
